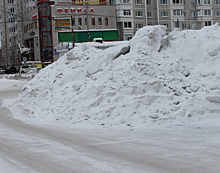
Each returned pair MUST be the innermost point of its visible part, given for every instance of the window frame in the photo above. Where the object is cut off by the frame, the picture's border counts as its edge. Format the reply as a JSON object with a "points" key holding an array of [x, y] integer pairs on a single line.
{"points": [[217, 2], [139, 14], [138, 2], [164, 12], [207, 11], [127, 12], [217, 13], [93, 21], [176, 11], [129, 36], [163, 2], [100, 21], [177, 2], [127, 23]]}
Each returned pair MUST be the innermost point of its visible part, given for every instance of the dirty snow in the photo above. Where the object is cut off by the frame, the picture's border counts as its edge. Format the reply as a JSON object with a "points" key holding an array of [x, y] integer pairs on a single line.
{"points": [[163, 80]]}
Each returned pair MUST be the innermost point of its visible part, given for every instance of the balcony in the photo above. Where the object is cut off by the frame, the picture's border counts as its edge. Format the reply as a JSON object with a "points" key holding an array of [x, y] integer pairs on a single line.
{"points": [[177, 6], [203, 6]]}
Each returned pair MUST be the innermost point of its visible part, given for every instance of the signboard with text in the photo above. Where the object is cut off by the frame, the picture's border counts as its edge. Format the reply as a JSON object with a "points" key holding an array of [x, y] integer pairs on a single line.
{"points": [[62, 23], [83, 2], [80, 2], [74, 11]]}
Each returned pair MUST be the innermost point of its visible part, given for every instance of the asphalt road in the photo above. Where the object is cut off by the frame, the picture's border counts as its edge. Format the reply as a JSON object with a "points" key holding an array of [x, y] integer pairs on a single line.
{"points": [[29, 148]]}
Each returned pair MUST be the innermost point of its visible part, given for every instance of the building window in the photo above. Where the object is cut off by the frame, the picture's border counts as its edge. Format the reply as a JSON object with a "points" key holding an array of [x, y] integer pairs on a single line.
{"points": [[177, 1], [149, 14], [46, 23], [93, 21], [47, 39], [127, 25], [184, 13], [99, 21], [199, 2], [127, 37], [111, 2], [148, 2], [217, 2], [73, 22], [165, 24], [126, 1], [177, 12], [163, 2], [80, 21], [192, 3], [193, 26], [217, 14], [177, 24], [140, 25], [85, 21], [164, 13], [106, 21], [127, 12], [207, 12], [193, 14], [139, 14], [138, 2], [184, 26], [199, 13], [208, 23], [10, 1], [207, 2], [123, 1]]}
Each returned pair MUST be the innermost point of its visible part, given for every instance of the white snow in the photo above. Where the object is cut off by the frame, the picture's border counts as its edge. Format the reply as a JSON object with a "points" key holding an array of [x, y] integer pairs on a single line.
{"points": [[7, 84], [163, 80]]}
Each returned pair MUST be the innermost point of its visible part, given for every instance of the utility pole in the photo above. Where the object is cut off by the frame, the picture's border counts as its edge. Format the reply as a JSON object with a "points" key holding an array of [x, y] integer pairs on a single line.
{"points": [[13, 42], [158, 13], [72, 32], [87, 21], [6, 39]]}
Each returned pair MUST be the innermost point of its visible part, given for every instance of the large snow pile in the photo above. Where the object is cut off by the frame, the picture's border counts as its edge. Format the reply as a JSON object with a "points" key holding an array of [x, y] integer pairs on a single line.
{"points": [[169, 79]]}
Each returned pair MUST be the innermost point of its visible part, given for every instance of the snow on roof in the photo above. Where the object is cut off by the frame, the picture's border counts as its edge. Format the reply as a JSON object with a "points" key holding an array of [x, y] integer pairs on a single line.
{"points": [[163, 80]]}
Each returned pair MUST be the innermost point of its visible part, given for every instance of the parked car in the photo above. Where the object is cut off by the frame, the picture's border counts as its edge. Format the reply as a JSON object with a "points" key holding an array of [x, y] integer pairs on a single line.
{"points": [[27, 68], [24, 68], [11, 70], [2, 71]]}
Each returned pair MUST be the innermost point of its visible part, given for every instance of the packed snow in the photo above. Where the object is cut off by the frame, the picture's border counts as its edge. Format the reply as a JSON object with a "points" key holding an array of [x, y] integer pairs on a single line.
{"points": [[7, 84], [156, 79]]}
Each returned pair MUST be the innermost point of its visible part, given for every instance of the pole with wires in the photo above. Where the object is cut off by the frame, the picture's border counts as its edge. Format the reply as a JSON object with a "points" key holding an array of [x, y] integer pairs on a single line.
{"points": [[72, 32], [6, 42], [87, 20]]}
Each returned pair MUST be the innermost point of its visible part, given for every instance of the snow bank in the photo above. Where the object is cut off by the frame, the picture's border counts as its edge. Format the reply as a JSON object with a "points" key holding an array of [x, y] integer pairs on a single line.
{"points": [[162, 80]]}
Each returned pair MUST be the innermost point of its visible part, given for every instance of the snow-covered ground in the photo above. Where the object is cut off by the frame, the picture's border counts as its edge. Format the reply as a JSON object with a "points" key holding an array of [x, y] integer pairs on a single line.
{"points": [[154, 109], [162, 80], [7, 84]]}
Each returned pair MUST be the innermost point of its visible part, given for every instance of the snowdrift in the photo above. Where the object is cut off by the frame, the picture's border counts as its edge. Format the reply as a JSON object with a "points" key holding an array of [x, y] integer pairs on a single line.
{"points": [[164, 79]]}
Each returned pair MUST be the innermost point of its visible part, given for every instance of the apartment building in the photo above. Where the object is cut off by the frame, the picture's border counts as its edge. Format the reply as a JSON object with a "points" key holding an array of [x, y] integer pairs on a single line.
{"points": [[183, 14], [1, 58], [131, 15], [11, 31]]}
